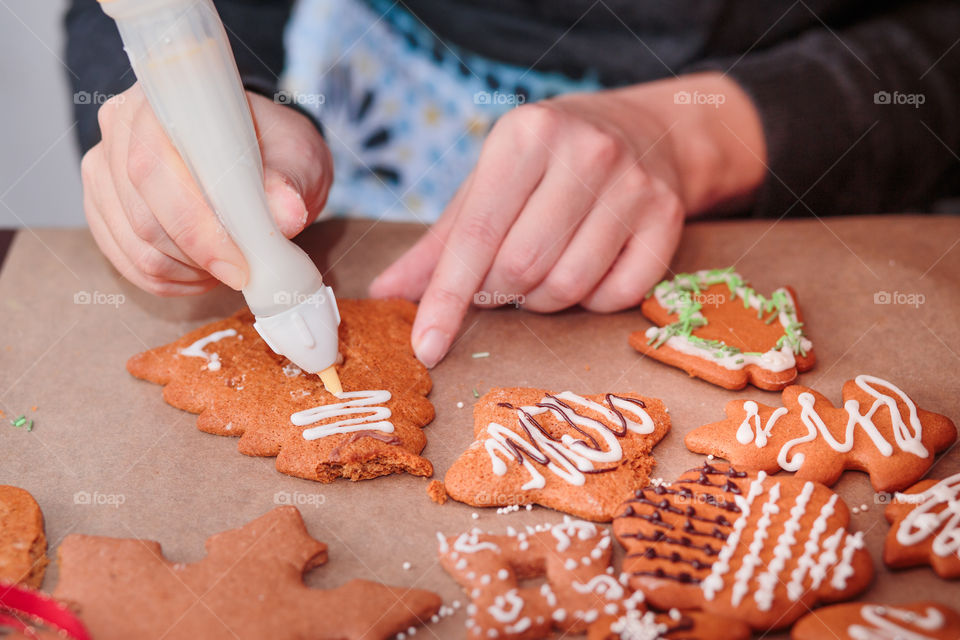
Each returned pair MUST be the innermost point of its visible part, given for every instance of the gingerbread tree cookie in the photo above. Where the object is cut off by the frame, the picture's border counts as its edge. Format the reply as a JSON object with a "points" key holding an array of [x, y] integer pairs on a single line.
{"points": [[879, 430], [23, 544], [926, 527], [713, 326], [580, 454], [865, 621], [757, 548], [227, 373], [250, 585]]}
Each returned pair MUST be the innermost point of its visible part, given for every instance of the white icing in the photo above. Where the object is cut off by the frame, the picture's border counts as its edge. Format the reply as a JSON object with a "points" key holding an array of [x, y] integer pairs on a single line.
{"points": [[908, 437], [713, 583], [470, 543], [357, 403], [563, 532], [570, 457], [196, 350], [883, 628], [768, 580], [922, 521], [752, 560], [638, 626], [507, 607], [601, 584], [810, 547], [745, 433], [442, 545]]}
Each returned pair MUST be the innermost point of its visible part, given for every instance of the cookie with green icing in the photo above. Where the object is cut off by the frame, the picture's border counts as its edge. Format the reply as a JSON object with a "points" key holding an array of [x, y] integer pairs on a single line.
{"points": [[714, 326]]}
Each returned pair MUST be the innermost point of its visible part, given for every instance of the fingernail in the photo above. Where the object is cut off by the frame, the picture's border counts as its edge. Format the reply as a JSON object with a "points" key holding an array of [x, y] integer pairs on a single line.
{"points": [[287, 205], [431, 347], [228, 273]]}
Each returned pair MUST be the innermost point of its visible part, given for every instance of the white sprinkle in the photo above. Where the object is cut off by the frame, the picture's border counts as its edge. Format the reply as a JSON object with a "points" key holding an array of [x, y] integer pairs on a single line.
{"points": [[411, 631], [456, 604], [503, 574], [855, 510], [710, 457], [863, 507], [481, 354], [406, 566], [459, 405], [475, 515], [529, 507], [674, 614]]}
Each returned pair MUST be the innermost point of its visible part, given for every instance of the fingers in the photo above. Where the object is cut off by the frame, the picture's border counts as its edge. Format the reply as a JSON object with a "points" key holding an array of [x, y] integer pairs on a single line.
{"points": [[542, 232], [161, 178], [298, 168], [646, 256], [506, 175], [409, 275]]}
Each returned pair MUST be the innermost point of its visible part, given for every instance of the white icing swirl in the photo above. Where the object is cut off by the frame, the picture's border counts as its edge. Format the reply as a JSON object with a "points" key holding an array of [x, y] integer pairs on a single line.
{"points": [[357, 403], [923, 521], [883, 628]]}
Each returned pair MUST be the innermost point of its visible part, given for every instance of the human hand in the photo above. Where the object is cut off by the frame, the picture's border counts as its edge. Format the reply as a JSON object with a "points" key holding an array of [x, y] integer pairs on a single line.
{"points": [[578, 199], [150, 218]]}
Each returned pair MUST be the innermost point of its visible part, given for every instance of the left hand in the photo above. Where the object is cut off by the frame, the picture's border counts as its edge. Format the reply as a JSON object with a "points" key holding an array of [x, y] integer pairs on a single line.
{"points": [[578, 199]]}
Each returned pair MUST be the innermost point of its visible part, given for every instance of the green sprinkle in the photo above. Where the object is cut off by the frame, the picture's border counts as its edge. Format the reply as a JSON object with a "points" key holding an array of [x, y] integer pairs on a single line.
{"points": [[19, 422], [481, 354], [475, 393], [30, 425], [773, 316], [752, 353]]}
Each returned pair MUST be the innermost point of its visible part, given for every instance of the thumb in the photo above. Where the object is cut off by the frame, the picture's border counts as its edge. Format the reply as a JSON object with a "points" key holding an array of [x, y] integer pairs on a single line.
{"points": [[298, 168]]}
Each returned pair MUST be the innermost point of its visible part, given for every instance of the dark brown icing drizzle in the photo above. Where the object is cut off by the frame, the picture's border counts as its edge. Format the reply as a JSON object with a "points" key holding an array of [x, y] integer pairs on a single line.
{"points": [[363, 433], [558, 406], [671, 534]]}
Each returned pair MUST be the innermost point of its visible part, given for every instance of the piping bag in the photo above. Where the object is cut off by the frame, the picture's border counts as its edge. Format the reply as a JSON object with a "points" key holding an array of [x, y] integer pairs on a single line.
{"points": [[182, 58]]}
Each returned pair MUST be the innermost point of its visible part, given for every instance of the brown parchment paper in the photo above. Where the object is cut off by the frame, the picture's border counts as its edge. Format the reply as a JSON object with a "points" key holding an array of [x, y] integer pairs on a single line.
{"points": [[108, 457]]}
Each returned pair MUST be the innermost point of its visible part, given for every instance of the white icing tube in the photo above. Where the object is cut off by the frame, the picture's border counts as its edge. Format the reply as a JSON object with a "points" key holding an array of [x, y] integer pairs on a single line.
{"points": [[180, 54]]}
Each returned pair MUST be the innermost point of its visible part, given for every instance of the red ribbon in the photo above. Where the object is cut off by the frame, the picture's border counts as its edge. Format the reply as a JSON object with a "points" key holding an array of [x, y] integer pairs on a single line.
{"points": [[17, 603]]}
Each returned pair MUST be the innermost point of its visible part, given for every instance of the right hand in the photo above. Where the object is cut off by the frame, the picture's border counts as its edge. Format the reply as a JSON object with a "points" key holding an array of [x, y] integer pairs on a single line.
{"points": [[150, 218]]}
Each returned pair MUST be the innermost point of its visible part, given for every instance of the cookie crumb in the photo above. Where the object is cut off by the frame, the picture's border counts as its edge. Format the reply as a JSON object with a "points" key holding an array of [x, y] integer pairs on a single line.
{"points": [[437, 492]]}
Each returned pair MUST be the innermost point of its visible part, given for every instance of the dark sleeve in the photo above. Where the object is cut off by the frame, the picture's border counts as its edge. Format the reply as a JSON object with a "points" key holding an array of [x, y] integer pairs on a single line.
{"points": [[862, 120], [98, 67]]}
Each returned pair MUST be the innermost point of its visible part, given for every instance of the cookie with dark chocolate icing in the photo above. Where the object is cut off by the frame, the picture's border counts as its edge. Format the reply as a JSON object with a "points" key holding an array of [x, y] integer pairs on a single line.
{"points": [[582, 455]]}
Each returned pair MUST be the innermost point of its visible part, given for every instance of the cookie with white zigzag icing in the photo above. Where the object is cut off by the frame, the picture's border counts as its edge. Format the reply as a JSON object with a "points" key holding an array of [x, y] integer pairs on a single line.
{"points": [[758, 548]]}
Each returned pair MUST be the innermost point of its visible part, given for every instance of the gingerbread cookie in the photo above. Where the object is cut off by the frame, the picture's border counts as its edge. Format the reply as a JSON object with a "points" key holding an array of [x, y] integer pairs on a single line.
{"points": [[572, 557], [250, 585], [864, 621], [580, 454], [23, 544], [713, 326], [749, 546], [226, 373], [926, 527], [678, 625], [879, 430]]}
